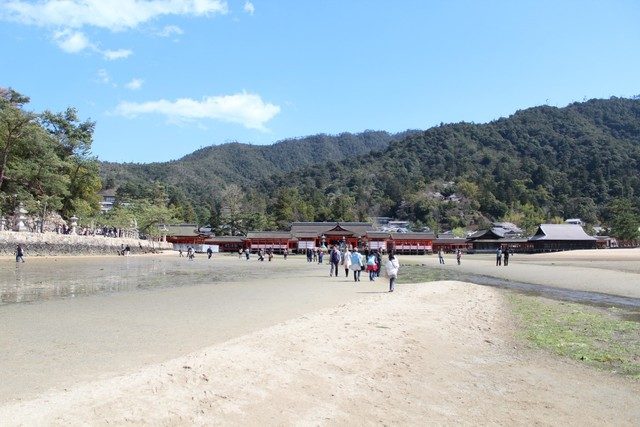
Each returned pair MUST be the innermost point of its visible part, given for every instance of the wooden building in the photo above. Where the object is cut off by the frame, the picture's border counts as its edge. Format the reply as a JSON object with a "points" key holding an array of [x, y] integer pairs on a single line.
{"points": [[275, 241], [561, 237], [226, 243], [485, 241], [309, 235], [451, 244], [411, 243], [326, 234]]}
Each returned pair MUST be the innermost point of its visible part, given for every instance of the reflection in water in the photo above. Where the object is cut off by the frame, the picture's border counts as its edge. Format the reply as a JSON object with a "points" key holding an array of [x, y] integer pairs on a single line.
{"points": [[46, 279]]}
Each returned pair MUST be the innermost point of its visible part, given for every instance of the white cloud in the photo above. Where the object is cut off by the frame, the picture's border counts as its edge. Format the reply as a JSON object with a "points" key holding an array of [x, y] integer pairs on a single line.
{"points": [[112, 55], [71, 41], [114, 15], [134, 84], [249, 8], [170, 30], [244, 108]]}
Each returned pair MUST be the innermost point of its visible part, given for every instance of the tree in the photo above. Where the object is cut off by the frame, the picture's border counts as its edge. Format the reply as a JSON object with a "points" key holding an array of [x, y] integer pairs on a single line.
{"points": [[15, 125], [150, 216], [624, 219], [74, 145], [232, 209]]}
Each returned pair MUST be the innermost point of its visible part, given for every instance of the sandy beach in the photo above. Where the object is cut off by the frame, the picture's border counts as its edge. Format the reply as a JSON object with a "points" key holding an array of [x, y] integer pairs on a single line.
{"points": [[287, 344]]}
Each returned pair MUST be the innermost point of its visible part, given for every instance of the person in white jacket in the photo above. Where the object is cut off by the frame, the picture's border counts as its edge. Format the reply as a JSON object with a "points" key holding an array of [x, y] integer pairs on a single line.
{"points": [[393, 265], [346, 262]]}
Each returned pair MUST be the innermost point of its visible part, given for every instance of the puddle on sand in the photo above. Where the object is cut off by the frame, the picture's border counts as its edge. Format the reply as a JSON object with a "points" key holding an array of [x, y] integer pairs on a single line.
{"points": [[631, 306]]}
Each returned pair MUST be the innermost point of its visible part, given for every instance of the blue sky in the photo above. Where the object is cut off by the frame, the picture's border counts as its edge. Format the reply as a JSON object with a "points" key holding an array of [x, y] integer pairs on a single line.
{"points": [[163, 78]]}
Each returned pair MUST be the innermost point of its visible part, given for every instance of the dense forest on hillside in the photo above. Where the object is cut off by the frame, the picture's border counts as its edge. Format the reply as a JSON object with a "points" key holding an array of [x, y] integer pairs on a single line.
{"points": [[198, 176], [542, 164]]}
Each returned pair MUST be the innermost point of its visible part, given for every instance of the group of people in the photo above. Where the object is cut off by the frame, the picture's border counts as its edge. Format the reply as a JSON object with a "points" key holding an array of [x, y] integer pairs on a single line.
{"points": [[261, 254], [441, 256], [369, 261], [502, 255], [191, 253]]}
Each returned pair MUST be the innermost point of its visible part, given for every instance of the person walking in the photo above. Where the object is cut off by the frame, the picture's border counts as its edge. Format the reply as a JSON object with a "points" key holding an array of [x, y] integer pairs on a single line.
{"points": [[499, 256], [334, 260], [371, 266], [209, 252], [247, 254], [285, 253], [346, 262], [441, 256], [320, 255], [378, 262], [393, 265], [458, 256], [19, 253], [357, 262], [505, 255]]}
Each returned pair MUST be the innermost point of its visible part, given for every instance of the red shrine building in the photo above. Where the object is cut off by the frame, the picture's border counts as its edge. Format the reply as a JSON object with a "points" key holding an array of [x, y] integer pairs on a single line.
{"points": [[309, 235]]}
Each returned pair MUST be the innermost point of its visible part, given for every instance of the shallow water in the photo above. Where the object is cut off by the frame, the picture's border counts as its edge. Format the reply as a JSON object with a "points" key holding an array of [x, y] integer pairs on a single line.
{"points": [[41, 279]]}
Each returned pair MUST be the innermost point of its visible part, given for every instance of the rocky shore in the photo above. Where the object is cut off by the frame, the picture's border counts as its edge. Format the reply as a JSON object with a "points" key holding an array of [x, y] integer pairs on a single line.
{"points": [[53, 244]]}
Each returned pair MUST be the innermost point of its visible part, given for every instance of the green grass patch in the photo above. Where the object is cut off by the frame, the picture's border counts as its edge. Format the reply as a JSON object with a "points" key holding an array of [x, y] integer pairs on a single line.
{"points": [[420, 274], [597, 336]]}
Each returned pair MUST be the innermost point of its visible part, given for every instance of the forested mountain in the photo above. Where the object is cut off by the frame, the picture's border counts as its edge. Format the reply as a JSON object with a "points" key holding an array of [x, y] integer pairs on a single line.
{"points": [[540, 164], [197, 176]]}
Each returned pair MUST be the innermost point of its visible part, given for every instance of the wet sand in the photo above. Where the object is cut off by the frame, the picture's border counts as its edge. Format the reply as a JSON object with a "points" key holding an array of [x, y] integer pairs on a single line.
{"points": [[299, 348], [98, 317]]}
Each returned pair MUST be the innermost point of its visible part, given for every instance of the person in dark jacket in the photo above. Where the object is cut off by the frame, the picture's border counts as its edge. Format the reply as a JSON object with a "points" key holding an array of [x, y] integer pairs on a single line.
{"points": [[19, 253]]}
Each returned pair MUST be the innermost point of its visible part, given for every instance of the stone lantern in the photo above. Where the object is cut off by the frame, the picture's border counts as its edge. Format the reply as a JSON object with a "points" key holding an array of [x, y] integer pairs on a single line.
{"points": [[3, 223], [74, 224], [20, 218]]}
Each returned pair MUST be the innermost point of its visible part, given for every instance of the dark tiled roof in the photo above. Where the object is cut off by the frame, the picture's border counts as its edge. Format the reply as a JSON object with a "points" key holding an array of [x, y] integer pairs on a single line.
{"points": [[378, 234], [359, 228], [303, 235], [269, 235], [225, 239], [423, 236], [494, 233], [561, 232], [450, 240]]}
